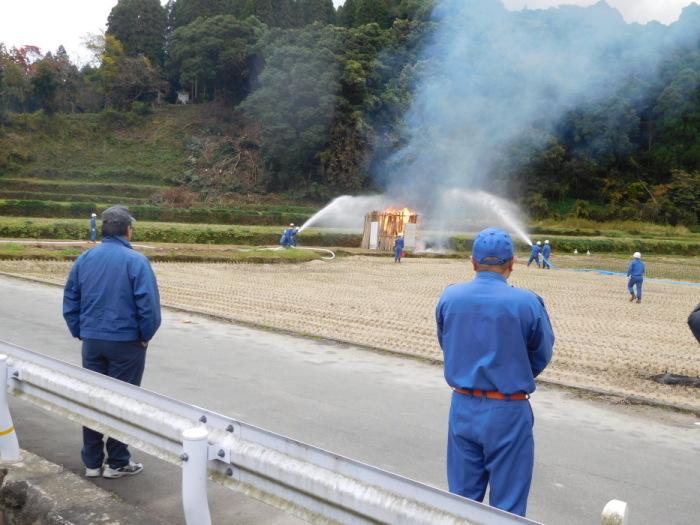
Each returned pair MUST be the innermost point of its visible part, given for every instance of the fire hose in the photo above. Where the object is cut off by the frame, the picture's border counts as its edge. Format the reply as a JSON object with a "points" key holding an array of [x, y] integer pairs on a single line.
{"points": [[329, 257]]}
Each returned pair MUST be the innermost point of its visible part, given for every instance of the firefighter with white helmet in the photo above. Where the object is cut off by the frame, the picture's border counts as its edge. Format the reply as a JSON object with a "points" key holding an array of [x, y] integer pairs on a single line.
{"points": [[546, 254], [635, 272], [288, 239], [93, 228]]}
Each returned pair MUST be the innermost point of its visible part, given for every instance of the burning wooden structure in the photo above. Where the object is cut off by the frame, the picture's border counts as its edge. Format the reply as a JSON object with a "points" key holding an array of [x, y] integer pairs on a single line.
{"points": [[382, 228]]}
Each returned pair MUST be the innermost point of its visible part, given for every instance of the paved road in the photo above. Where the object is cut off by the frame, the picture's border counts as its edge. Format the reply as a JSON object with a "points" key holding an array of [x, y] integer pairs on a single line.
{"points": [[381, 409]]}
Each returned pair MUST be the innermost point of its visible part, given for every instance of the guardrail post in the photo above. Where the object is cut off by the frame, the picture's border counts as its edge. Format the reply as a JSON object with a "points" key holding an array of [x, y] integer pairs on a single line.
{"points": [[194, 476], [9, 446], [615, 513]]}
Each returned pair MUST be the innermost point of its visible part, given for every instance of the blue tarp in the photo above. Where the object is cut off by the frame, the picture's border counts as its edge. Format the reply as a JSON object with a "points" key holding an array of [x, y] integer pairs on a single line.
{"points": [[622, 274]]}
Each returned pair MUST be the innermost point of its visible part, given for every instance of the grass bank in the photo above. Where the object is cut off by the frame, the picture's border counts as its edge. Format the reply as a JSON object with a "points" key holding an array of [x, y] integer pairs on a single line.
{"points": [[242, 214], [618, 245], [75, 229], [163, 253]]}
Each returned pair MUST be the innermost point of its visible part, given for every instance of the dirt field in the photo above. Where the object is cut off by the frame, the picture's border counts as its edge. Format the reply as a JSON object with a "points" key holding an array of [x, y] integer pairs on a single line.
{"points": [[603, 341]]}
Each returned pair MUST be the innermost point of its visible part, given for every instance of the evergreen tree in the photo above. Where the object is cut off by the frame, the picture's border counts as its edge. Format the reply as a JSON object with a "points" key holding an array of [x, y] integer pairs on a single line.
{"points": [[215, 57], [140, 26], [45, 84], [183, 12]]}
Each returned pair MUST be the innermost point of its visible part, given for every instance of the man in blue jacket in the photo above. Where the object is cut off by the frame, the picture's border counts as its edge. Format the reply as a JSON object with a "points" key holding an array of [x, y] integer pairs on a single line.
{"points": [[111, 303], [635, 272], [495, 339]]}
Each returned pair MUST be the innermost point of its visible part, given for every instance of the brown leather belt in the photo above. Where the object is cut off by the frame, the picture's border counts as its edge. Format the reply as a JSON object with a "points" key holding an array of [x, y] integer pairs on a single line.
{"points": [[492, 394]]}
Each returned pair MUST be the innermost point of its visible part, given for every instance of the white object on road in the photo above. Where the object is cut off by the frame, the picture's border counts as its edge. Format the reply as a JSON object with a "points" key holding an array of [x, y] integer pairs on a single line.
{"points": [[373, 235], [194, 476], [615, 513], [409, 236], [9, 447]]}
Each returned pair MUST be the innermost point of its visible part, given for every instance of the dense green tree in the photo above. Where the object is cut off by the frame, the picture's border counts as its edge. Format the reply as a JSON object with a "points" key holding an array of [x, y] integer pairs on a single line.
{"points": [[216, 57], [45, 84], [310, 11], [126, 79], [183, 12], [16, 86], [140, 26], [295, 102]]}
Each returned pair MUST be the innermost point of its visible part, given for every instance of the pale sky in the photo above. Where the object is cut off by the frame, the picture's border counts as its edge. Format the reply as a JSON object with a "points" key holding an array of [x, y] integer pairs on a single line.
{"points": [[50, 23], [642, 11]]}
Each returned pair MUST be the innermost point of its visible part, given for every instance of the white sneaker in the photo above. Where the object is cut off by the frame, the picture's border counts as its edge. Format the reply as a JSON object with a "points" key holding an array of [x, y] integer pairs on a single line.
{"points": [[93, 472], [127, 470]]}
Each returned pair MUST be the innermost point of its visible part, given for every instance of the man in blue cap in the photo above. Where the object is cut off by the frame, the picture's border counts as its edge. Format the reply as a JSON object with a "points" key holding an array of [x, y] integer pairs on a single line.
{"points": [[111, 303], [495, 339]]}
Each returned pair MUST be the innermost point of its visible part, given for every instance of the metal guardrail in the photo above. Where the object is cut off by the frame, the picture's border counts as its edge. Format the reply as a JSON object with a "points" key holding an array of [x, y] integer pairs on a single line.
{"points": [[311, 483]]}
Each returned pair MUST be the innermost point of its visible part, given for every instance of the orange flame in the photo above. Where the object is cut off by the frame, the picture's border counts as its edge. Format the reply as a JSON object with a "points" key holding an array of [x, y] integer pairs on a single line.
{"points": [[394, 220]]}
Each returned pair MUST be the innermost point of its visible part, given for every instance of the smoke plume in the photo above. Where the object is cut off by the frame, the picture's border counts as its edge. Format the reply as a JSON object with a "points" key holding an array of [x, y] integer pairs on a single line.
{"points": [[491, 77]]}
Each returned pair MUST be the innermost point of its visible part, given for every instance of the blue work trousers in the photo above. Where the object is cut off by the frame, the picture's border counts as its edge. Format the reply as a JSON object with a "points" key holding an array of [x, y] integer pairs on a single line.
{"points": [[121, 360], [490, 442], [535, 258], [93, 235], [397, 254], [545, 263], [635, 282]]}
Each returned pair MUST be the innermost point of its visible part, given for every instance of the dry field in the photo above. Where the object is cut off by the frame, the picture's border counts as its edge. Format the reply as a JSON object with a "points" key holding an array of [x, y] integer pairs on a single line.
{"points": [[603, 341]]}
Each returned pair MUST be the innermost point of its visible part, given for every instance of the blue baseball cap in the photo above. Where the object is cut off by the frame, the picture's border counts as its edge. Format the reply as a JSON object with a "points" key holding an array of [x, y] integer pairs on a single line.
{"points": [[492, 246]]}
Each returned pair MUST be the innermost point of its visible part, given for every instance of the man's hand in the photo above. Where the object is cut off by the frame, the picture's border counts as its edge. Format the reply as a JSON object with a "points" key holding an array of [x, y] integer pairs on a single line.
{"points": [[144, 344]]}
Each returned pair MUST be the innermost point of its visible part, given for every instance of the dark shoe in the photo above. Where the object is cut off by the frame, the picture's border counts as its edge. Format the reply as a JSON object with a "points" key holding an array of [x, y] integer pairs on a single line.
{"points": [[639, 301], [631, 297], [127, 470]]}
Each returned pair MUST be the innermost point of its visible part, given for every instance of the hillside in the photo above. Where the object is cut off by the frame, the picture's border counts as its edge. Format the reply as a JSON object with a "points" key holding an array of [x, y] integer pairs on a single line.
{"points": [[186, 164], [585, 117], [113, 156]]}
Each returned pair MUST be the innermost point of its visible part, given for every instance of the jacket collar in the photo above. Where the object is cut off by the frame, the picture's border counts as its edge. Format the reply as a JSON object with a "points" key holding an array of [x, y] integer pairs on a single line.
{"points": [[117, 240], [490, 276]]}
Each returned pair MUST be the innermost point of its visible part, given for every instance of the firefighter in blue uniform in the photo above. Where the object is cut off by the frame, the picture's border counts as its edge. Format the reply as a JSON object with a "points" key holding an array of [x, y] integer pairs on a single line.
{"points": [[635, 272], [495, 339], [535, 254], [398, 248], [289, 236], [546, 254], [93, 228]]}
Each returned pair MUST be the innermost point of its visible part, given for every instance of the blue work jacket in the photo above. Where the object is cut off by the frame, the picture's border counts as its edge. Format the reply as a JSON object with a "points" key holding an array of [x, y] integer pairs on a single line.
{"points": [[546, 251], [93, 223], [493, 336], [112, 294], [399, 244], [536, 250], [636, 269]]}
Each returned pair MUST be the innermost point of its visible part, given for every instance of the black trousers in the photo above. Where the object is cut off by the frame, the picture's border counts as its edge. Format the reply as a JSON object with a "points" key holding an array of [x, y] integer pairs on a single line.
{"points": [[124, 360]]}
